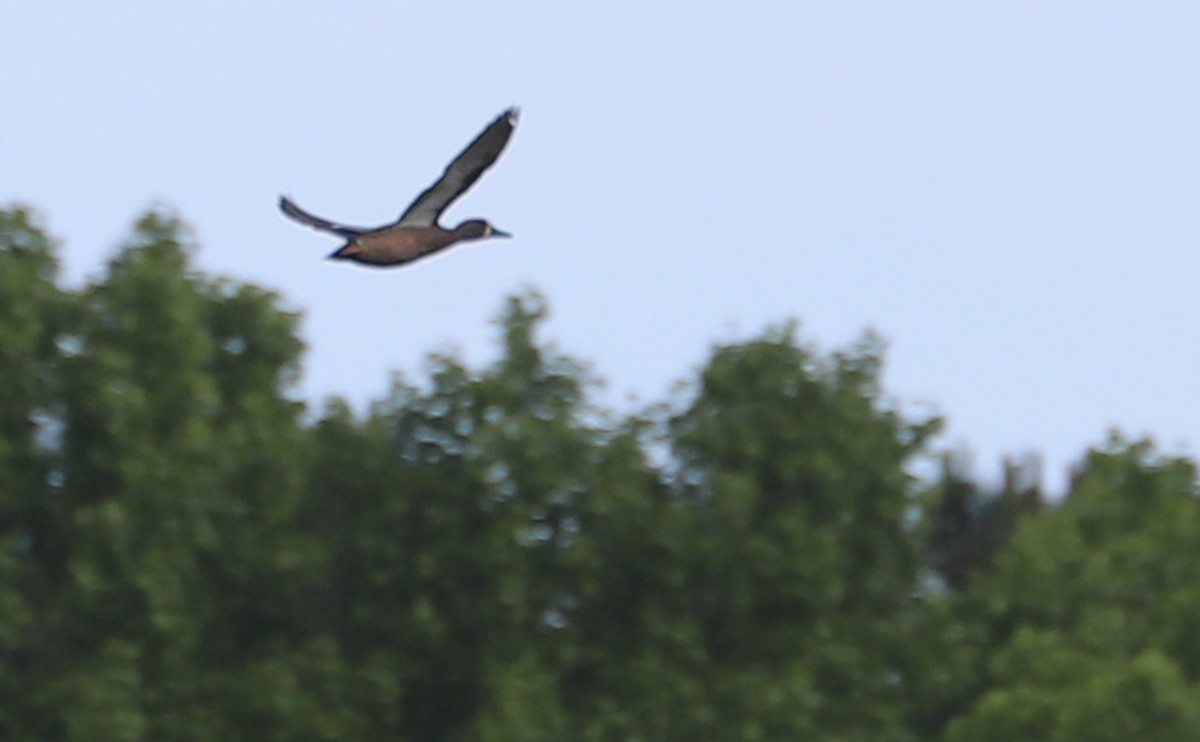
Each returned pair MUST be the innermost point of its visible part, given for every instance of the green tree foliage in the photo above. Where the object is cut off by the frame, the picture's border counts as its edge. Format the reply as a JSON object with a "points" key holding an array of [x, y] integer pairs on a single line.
{"points": [[1091, 610], [31, 309], [188, 553], [151, 455], [968, 526]]}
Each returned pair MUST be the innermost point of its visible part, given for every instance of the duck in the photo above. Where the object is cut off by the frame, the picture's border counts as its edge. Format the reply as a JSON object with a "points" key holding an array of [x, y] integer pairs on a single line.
{"points": [[417, 233]]}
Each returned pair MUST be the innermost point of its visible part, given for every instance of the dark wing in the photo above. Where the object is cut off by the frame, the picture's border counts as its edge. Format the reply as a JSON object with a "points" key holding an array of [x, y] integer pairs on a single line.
{"points": [[462, 173], [295, 212]]}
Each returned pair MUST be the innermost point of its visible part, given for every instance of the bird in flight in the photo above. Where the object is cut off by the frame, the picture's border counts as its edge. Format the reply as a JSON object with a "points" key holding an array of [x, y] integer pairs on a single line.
{"points": [[417, 232]]}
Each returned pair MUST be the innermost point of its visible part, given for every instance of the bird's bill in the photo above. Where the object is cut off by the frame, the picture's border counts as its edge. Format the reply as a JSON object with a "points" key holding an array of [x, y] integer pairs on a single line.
{"points": [[498, 233]]}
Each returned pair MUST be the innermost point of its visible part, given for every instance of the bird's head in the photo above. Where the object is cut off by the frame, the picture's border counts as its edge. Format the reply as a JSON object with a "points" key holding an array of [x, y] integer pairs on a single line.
{"points": [[477, 229]]}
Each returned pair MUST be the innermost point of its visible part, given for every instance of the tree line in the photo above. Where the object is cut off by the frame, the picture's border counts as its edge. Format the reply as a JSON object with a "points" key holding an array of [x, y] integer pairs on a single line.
{"points": [[188, 551]]}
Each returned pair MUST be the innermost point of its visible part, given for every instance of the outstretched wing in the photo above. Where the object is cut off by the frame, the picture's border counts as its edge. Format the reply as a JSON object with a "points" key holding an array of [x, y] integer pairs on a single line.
{"points": [[295, 212], [462, 173]]}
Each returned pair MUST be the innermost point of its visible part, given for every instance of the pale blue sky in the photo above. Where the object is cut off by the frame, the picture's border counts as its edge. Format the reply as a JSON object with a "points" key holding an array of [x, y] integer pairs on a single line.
{"points": [[1005, 191]]}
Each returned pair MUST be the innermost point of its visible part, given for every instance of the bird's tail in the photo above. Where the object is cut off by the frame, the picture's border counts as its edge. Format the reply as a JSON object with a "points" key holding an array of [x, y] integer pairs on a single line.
{"points": [[292, 211]]}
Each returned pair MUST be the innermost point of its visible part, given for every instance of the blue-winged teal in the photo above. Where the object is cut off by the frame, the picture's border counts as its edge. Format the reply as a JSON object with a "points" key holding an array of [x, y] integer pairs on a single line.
{"points": [[417, 232]]}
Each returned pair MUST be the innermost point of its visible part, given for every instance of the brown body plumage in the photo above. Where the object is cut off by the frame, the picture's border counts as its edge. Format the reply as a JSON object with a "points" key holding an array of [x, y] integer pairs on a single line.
{"points": [[417, 232]]}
